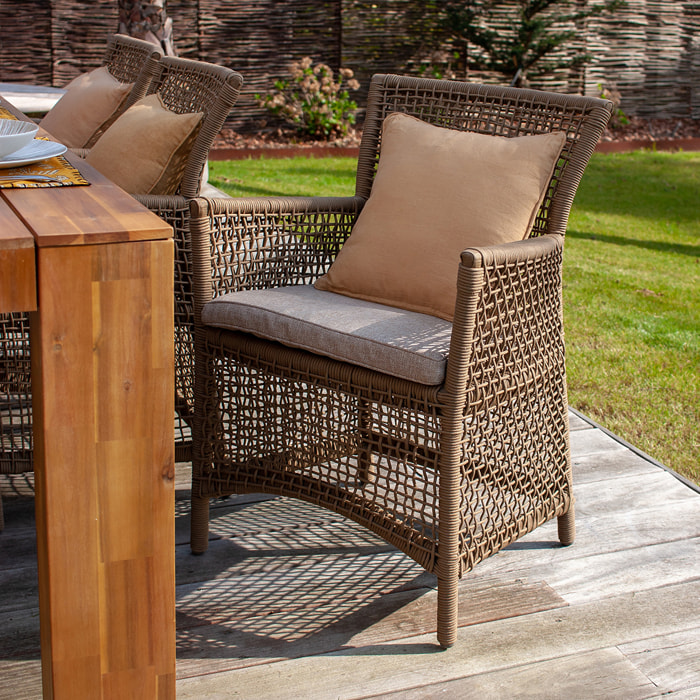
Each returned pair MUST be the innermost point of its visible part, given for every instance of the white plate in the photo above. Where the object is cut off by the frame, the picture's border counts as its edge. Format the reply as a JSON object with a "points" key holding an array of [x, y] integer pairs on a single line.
{"points": [[36, 151]]}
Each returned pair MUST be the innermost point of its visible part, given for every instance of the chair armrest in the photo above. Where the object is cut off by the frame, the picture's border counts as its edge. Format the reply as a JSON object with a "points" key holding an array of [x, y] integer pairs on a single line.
{"points": [[508, 327], [512, 253], [258, 243]]}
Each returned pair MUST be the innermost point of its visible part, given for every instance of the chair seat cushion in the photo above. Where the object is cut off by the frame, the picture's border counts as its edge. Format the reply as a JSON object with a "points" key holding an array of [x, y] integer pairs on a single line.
{"points": [[401, 343], [438, 191]]}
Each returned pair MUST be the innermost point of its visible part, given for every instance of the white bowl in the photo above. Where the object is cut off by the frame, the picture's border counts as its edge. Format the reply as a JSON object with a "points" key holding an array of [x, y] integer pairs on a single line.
{"points": [[15, 134]]}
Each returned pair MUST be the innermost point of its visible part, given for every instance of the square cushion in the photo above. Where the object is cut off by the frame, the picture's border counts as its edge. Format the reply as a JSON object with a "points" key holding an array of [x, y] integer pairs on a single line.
{"points": [[436, 192], [401, 343], [91, 99], [145, 150]]}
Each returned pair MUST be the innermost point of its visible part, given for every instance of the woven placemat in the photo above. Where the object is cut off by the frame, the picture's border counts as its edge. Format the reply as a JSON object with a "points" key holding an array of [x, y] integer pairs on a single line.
{"points": [[61, 172]]}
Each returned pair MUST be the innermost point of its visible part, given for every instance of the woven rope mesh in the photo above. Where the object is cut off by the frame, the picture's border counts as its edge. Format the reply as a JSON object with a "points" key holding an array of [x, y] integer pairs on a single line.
{"points": [[293, 425], [473, 108], [515, 444], [249, 246], [15, 395], [175, 211], [124, 62], [188, 88]]}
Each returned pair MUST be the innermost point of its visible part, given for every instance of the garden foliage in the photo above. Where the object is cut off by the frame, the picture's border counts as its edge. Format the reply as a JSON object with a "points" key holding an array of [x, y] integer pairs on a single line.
{"points": [[314, 100]]}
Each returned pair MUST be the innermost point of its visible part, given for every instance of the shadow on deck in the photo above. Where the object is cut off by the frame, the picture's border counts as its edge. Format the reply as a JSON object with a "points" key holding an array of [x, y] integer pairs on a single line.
{"points": [[300, 603]]}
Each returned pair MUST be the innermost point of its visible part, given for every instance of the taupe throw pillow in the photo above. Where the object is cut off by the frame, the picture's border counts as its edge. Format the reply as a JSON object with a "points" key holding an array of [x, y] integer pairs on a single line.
{"points": [[91, 99], [438, 191], [145, 150]]}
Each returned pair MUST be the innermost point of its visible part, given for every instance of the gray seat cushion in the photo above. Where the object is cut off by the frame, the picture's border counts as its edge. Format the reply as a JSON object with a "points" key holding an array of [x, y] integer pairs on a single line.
{"points": [[404, 344]]}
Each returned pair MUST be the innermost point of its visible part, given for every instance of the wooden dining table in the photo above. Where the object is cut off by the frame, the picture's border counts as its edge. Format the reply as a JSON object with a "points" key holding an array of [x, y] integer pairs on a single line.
{"points": [[95, 270]]}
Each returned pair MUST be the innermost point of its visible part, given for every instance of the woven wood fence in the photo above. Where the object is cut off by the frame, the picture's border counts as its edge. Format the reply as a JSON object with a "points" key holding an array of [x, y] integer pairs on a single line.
{"points": [[650, 51]]}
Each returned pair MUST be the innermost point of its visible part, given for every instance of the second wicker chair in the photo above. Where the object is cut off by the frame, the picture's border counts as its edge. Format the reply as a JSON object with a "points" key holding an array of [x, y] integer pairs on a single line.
{"points": [[189, 86]]}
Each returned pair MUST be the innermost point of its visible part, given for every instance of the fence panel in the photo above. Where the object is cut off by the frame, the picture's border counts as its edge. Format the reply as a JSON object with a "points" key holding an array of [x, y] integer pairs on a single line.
{"points": [[649, 50]]}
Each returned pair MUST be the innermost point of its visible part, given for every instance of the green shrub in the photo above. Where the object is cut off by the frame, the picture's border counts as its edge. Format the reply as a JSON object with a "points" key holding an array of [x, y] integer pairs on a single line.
{"points": [[618, 118], [314, 100]]}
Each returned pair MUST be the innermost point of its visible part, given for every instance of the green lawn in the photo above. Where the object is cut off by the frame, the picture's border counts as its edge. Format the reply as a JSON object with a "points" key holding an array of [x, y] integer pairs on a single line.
{"points": [[632, 302], [631, 287]]}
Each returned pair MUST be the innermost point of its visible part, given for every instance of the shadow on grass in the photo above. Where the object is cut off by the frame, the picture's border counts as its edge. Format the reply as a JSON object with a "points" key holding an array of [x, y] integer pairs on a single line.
{"points": [[641, 184], [247, 190], [677, 248]]}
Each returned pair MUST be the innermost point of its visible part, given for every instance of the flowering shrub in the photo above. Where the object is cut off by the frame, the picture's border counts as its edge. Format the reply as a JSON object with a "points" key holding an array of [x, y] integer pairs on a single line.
{"points": [[313, 100], [618, 118]]}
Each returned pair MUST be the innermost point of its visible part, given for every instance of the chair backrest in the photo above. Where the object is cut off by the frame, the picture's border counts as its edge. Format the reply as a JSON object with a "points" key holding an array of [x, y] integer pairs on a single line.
{"points": [[187, 86], [495, 110], [129, 60]]}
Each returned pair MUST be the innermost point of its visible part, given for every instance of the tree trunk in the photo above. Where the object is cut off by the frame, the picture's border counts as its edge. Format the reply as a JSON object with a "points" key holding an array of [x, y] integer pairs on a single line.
{"points": [[148, 21]]}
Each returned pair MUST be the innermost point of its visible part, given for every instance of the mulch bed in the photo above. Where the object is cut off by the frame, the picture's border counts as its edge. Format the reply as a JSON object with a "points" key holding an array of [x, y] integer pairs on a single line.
{"points": [[669, 134], [662, 134]]}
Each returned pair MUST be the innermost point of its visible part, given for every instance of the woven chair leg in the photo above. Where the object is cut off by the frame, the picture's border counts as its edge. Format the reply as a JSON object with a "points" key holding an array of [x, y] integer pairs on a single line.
{"points": [[2, 515], [199, 525], [567, 526], [366, 471], [447, 608]]}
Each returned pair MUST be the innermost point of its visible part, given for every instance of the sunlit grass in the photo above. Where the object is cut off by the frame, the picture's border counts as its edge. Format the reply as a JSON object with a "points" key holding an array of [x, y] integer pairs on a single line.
{"points": [[632, 302], [631, 287], [286, 177]]}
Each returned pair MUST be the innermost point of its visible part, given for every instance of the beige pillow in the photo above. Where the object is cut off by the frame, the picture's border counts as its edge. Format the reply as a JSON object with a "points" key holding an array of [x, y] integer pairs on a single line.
{"points": [[438, 191], [91, 99], [145, 150]]}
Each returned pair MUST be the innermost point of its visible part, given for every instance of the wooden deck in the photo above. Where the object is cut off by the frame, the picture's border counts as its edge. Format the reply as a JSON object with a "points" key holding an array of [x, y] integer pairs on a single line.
{"points": [[302, 604]]}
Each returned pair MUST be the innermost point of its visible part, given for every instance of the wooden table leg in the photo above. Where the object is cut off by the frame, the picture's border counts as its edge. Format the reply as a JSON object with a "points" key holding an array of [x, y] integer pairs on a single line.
{"points": [[102, 372]]}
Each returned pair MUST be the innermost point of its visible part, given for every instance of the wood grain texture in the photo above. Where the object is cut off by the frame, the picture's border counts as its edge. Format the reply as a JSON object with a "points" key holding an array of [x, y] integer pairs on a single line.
{"points": [[97, 213], [17, 267], [297, 602], [102, 376], [103, 405], [671, 661], [359, 672], [91, 214], [603, 673]]}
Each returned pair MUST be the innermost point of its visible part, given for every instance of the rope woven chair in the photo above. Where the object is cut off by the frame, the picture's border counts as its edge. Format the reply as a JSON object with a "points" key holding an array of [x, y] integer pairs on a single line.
{"points": [[451, 471], [187, 86], [129, 60]]}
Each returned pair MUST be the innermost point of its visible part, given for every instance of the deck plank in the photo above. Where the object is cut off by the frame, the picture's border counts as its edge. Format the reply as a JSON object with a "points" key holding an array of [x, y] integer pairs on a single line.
{"points": [[20, 680], [485, 648], [318, 624], [604, 673], [293, 601], [670, 661]]}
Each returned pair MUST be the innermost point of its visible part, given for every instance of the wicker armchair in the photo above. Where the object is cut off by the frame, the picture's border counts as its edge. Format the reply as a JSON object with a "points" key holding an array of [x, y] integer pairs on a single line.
{"points": [[130, 61], [189, 86], [448, 472]]}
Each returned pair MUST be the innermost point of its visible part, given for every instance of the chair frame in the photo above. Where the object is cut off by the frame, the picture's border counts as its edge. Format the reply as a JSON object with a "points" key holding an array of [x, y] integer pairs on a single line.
{"points": [[187, 85], [494, 435]]}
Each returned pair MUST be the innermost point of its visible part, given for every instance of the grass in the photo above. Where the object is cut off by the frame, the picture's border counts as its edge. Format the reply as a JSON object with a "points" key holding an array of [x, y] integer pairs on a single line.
{"points": [[631, 287], [632, 302], [285, 177]]}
